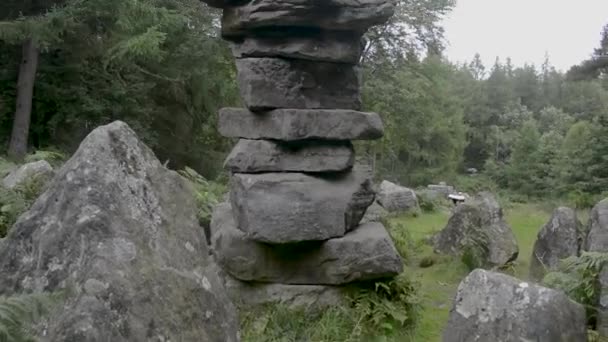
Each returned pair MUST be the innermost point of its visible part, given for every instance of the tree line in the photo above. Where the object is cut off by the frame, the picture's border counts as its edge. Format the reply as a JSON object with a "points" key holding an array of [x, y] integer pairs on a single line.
{"points": [[67, 66]]}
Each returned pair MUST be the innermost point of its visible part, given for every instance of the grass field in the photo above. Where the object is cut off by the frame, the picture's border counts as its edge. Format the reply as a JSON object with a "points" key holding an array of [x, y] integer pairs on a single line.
{"points": [[438, 283]]}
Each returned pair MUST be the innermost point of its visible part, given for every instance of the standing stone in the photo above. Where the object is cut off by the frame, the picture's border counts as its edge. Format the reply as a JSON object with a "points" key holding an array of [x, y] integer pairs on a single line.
{"points": [[40, 170], [395, 198], [321, 46], [339, 15], [119, 232], [493, 307], [300, 124], [270, 83], [597, 230], [254, 156], [283, 208], [363, 254], [479, 224], [559, 239]]}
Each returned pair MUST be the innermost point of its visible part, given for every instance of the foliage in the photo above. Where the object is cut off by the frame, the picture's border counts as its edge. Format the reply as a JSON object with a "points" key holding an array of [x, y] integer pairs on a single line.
{"points": [[400, 236], [19, 313], [475, 250], [578, 278], [54, 158], [14, 202], [208, 194]]}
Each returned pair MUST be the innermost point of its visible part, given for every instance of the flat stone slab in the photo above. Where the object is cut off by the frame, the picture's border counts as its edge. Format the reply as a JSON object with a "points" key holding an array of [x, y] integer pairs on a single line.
{"points": [[300, 124], [271, 83], [492, 307], [341, 15], [281, 208], [322, 46], [363, 254], [254, 156]]}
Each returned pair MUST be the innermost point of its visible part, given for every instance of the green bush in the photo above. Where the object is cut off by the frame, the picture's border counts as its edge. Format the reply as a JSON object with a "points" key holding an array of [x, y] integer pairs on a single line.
{"points": [[578, 278], [54, 158], [401, 237], [208, 194], [15, 202], [19, 313]]}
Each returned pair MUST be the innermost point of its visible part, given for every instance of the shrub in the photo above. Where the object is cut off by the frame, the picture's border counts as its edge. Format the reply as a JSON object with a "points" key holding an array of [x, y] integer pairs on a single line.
{"points": [[53, 157], [401, 237], [578, 278], [208, 194], [15, 202]]}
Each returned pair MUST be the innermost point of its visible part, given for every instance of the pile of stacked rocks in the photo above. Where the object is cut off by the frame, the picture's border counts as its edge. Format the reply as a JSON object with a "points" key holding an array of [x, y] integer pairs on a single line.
{"points": [[296, 198]]}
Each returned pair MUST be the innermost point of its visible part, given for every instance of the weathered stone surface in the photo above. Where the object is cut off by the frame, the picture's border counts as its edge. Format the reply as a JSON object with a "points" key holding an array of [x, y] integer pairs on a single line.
{"points": [[374, 213], [300, 124], [294, 207], [560, 238], [341, 15], [493, 307], [395, 198], [247, 295], [270, 83], [365, 253], [27, 172], [322, 46], [253, 156], [479, 224], [119, 231], [441, 189], [597, 230]]}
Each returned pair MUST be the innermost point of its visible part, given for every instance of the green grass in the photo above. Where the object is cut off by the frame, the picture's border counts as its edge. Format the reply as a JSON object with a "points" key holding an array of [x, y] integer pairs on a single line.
{"points": [[438, 283]]}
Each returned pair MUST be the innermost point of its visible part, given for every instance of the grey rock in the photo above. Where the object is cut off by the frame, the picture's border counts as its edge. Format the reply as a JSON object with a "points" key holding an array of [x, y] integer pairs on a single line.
{"points": [[395, 198], [602, 303], [375, 213], [363, 254], [442, 189], [597, 230], [340, 15], [119, 232], [270, 83], [296, 297], [300, 124], [479, 224], [493, 307], [254, 156], [322, 46], [283, 208], [40, 169], [559, 239]]}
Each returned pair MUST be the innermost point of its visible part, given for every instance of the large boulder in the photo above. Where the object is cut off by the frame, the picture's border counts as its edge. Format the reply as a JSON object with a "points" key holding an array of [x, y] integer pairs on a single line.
{"points": [[339, 15], [117, 233], [395, 198], [322, 46], [283, 208], [41, 170], [375, 213], [363, 254], [479, 224], [597, 230], [255, 156], [300, 124], [560, 238], [270, 83], [495, 307], [440, 190]]}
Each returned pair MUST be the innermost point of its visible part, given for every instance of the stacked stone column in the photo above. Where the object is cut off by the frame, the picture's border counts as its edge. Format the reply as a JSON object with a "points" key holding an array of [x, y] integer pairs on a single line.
{"points": [[296, 198]]}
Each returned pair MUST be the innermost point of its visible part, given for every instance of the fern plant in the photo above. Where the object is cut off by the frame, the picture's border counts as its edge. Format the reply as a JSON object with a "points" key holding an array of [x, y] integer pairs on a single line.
{"points": [[19, 313]]}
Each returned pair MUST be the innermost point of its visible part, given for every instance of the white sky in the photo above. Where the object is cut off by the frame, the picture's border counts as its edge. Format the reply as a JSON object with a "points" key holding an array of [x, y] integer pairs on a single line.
{"points": [[568, 30]]}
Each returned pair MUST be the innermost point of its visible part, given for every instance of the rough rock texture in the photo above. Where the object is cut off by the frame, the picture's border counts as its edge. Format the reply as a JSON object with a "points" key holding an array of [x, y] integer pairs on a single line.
{"points": [[341, 15], [26, 172], [254, 156], [493, 307], [365, 253], [479, 223], [294, 207], [247, 295], [560, 238], [597, 230], [441, 189], [119, 231], [395, 198], [300, 124], [375, 213], [602, 304], [270, 83], [322, 46]]}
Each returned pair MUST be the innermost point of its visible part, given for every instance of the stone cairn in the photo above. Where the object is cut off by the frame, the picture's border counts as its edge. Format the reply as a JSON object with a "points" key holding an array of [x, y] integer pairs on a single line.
{"points": [[296, 198]]}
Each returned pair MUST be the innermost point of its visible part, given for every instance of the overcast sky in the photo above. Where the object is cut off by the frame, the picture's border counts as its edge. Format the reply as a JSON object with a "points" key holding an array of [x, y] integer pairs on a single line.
{"points": [[568, 30]]}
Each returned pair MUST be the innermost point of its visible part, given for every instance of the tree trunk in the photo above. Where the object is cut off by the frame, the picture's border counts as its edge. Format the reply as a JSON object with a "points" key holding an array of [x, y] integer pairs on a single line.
{"points": [[25, 91]]}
